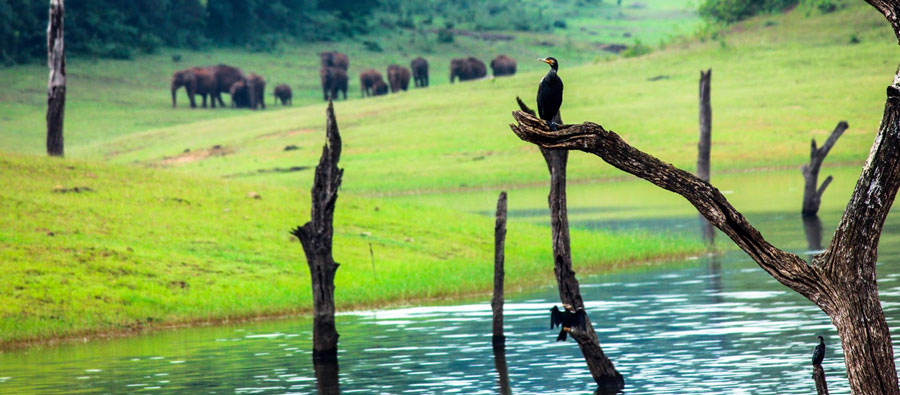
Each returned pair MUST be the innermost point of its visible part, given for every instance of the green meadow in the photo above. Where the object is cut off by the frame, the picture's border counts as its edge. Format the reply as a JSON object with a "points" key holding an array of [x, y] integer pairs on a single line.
{"points": [[168, 233]]}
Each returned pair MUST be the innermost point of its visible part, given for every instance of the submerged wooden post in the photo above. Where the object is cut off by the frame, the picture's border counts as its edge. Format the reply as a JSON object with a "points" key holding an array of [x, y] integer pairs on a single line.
{"points": [[499, 339], [601, 368], [819, 377], [316, 237], [56, 84], [704, 146], [812, 192]]}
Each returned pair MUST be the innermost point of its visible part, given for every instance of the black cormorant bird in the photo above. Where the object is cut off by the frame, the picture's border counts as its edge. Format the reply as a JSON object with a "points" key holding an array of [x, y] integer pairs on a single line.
{"points": [[819, 353], [568, 318], [550, 93]]}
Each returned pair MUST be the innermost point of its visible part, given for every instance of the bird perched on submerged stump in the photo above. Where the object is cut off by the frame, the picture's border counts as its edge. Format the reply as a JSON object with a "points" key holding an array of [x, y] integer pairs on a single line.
{"points": [[568, 318], [550, 93], [819, 353]]}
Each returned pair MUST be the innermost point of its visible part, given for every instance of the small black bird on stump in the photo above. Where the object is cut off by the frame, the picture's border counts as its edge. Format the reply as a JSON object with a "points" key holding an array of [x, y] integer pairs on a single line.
{"points": [[568, 318], [819, 353], [550, 94]]}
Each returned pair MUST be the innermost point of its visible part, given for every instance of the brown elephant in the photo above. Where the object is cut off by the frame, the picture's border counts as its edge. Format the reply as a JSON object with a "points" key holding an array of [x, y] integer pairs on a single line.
{"points": [[419, 68], [225, 77], [335, 59], [334, 80], [240, 94], [367, 80], [398, 77], [196, 81], [379, 88], [467, 69], [503, 65], [284, 93], [256, 88]]}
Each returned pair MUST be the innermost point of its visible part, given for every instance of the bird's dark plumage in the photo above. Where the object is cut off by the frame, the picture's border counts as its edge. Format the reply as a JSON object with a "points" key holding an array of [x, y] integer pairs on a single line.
{"points": [[550, 94], [819, 353], [568, 319]]}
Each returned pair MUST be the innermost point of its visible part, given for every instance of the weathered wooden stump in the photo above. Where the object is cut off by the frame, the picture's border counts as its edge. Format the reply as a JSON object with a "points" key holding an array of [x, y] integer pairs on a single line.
{"points": [[316, 238], [819, 377], [499, 340], [812, 192], [601, 368], [56, 84]]}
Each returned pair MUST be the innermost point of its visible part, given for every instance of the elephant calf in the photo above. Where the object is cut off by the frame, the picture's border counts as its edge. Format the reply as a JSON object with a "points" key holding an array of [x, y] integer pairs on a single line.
{"points": [[367, 81], [284, 93], [398, 77], [248, 92], [467, 69], [503, 65]]}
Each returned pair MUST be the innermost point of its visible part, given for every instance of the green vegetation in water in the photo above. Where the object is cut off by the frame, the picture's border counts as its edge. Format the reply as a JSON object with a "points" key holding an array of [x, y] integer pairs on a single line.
{"points": [[143, 248]]}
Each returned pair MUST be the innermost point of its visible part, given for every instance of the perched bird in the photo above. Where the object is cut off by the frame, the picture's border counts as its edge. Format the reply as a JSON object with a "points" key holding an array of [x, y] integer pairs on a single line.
{"points": [[819, 353], [568, 318], [550, 93]]}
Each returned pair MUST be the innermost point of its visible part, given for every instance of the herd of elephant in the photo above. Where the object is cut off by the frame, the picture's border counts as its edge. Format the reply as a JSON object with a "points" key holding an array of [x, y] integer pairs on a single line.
{"points": [[335, 64], [248, 90]]}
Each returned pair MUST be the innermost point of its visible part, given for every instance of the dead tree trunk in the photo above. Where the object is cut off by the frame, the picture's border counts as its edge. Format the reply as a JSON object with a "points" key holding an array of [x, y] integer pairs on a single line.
{"points": [[499, 340], [812, 193], [56, 84], [601, 368], [841, 281], [316, 237], [819, 377], [703, 147]]}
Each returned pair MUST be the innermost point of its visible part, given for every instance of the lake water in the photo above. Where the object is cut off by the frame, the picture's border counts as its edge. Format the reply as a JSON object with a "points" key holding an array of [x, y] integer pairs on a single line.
{"points": [[709, 324]]}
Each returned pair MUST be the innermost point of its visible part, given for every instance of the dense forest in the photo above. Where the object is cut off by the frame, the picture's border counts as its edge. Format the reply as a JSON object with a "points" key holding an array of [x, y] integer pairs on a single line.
{"points": [[123, 28]]}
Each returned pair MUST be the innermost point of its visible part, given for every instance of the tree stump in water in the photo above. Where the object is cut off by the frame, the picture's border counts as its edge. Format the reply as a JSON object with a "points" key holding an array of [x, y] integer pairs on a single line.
{"points": [[601, 368], [819, 377], [316, 238], [812, 192], [704, 146], [499, 340]]}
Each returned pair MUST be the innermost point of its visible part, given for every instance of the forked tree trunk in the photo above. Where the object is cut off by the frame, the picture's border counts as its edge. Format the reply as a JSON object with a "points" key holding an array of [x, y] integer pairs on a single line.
{"points": [[704, 146], [819, 378], [812, 192], [316, 237], [56, 84], [841, 281], [601, 368], [499, 340]]}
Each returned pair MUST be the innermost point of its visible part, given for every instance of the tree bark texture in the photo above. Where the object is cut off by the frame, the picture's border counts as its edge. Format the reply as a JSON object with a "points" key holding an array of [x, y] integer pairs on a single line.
{"points": [[812, 192], [841, 281], [316, 238], [56, 84], [819, 378], [601, 368], [499, 340]]}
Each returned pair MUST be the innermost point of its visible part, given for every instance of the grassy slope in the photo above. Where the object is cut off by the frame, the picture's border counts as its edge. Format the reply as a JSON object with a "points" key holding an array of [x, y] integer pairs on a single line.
{"points": [[773, 88], [149, 247]]}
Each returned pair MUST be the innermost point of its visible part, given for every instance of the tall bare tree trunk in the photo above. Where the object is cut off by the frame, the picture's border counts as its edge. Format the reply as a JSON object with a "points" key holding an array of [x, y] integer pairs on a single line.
{"points": [[316, 237], [601, 368], [704, 146], [812, 193], [841, 281], [499, 340], [56, 84]]}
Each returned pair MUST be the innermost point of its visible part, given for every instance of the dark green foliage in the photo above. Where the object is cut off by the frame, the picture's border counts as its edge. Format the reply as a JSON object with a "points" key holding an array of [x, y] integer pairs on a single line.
{"points": [[560, 24], [23, 30], [730, 11], [637, 49], [445, 35], [373, 46]]}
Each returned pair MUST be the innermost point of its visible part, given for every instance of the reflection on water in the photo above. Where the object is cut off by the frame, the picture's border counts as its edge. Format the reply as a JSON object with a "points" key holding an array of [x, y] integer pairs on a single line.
{"points": [[713, 324]]}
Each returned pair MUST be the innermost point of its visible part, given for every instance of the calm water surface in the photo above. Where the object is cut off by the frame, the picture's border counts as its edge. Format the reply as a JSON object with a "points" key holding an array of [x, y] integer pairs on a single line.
{"points": [[702, 325]]}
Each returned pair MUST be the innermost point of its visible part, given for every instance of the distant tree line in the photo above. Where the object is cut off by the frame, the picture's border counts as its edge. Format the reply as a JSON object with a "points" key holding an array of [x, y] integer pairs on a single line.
{"points": [[122, 28]]}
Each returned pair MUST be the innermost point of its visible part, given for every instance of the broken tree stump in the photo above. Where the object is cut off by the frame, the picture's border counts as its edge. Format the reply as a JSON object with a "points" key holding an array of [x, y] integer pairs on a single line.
{"points": [[819, 377], [56, 84], [601, 368], [812, 192], [499, 340], [316, 238], [704, 146]]}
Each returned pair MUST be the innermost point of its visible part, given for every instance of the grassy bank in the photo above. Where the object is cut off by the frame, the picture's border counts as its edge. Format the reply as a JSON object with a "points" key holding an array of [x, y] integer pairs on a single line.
{"points": [[145, 248]]}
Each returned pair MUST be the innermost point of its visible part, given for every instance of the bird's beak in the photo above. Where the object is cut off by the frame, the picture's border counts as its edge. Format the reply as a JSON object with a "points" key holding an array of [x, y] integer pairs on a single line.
{"points": [[544, 60]]}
